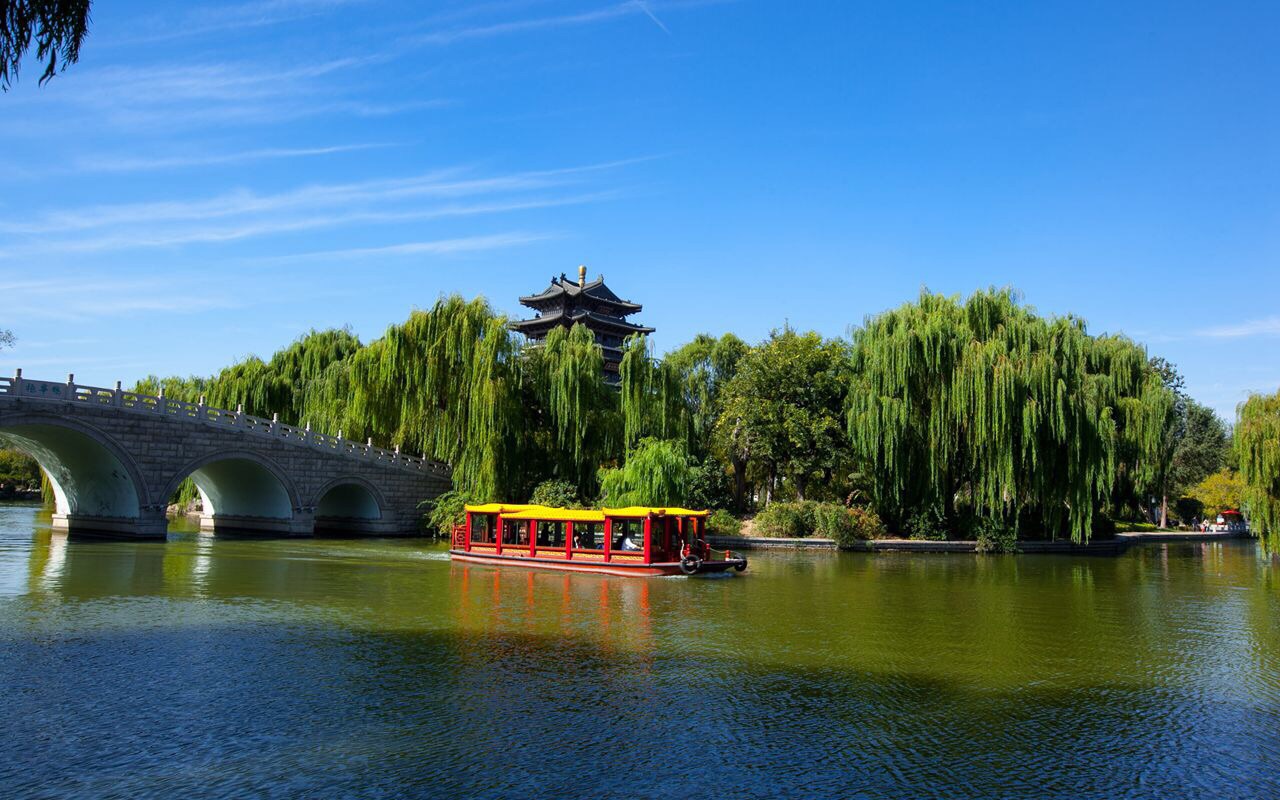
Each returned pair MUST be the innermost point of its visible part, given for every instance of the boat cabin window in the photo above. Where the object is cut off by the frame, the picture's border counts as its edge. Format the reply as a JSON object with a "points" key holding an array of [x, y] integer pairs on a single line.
{"points": [[483, 528], [628, 535], [588, 535], [551, 534], [515, 532]]}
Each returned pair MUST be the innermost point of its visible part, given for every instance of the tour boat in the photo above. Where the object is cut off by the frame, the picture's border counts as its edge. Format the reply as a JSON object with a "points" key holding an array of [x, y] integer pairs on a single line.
{"points": [[615, 541]]}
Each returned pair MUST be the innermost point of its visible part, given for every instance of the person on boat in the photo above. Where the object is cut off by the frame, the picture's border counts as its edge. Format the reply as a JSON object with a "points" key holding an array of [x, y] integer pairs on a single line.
{"points": [[629, 544]]}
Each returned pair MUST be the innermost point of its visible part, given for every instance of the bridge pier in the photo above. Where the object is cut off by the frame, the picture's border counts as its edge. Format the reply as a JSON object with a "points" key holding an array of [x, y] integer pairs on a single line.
{"points": [[151, 526], [298, 525]]}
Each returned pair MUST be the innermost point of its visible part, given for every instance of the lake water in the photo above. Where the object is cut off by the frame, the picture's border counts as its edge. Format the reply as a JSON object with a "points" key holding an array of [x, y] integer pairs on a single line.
{"points": [[214, 667]]}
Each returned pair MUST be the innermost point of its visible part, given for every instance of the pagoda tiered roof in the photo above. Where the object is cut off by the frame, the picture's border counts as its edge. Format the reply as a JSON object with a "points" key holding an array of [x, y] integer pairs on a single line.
{"points": [[565, 303], [563, 289]]}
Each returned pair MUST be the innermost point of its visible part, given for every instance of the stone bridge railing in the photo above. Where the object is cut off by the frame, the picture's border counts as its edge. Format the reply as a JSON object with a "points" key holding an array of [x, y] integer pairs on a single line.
{"points": [[201, 414]]}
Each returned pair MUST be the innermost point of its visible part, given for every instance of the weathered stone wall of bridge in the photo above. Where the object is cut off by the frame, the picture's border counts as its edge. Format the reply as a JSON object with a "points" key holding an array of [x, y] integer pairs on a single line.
{"points": [[253, 475]]}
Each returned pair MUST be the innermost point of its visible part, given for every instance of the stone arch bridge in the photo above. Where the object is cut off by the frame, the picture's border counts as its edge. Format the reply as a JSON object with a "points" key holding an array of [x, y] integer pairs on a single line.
{"points": [[115, 457]]}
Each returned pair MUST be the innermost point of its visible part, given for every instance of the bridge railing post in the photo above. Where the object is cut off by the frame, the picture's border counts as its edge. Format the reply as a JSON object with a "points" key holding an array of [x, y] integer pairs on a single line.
{"points": [[71, 386], [117, 397], [17, 381]]}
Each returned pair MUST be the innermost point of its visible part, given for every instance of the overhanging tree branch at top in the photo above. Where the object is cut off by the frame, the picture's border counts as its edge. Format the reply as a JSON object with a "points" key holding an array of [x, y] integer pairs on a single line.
{"points": [[58, 28]]}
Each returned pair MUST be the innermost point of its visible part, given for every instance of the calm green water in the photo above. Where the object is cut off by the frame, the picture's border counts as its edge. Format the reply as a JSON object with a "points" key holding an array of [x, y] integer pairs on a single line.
{"points": [[211, 667]]}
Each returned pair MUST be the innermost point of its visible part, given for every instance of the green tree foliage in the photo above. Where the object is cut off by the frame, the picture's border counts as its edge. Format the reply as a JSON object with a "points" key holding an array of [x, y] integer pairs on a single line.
{"points": [[1219, 492], [783, 411], [722, 523], [656, 473], [1257, 441], [1201, 450], [1193, 445], [556, 494], [446, 511], [704, 368], [652, 401], [984, 403], [58, 28], [580, 408], [18, 471], [452, 383]]}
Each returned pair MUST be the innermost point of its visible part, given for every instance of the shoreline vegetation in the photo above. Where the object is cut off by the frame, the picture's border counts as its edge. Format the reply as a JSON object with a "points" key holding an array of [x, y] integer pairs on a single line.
{"points": [[945, 419]]}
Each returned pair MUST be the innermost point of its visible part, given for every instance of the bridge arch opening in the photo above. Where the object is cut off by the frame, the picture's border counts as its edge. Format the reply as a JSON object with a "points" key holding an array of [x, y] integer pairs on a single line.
{"points": [[95, 488], [241, 493], [348, 506]]}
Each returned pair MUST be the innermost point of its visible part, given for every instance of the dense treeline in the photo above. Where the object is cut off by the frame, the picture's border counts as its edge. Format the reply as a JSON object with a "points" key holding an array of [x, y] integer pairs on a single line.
{"points": [[945, 416]]}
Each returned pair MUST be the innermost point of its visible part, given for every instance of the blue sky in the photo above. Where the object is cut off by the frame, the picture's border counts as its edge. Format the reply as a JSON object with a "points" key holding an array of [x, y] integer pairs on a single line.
{"points": [[211, 180]]}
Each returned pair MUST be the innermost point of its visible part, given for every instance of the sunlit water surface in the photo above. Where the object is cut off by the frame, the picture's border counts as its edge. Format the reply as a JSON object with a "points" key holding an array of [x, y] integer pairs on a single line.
{"points": [[215, 667]]}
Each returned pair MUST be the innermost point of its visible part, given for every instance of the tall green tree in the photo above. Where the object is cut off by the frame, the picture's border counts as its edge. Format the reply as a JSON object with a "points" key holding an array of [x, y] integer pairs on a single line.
{"points": [[983, 403], [783, 411], [567, 378], [1257, 442], [1173, 428], [1202, 449], [58, 28], [704, 367], [651, 396]]}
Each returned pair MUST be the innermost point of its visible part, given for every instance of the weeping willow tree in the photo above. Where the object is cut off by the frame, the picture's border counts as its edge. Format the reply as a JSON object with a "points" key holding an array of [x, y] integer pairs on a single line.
{"points": [[704, 366], [445, 383], [656, 473], [279, 386], [1020, 418], [567, 376], [1257, 442], [651, 396]]}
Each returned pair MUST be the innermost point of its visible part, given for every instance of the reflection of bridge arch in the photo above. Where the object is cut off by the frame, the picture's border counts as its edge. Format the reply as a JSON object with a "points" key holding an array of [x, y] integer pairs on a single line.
{"points": [[115, 457], [94, 479], [240, 490]]}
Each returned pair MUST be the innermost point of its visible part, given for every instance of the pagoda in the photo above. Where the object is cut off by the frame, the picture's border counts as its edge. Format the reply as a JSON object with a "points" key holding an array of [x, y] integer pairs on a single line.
{"points": [[565, 303]]}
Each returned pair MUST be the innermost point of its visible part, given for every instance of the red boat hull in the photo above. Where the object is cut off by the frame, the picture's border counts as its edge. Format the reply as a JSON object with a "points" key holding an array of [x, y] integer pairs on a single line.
{"points": [[599, 567]]}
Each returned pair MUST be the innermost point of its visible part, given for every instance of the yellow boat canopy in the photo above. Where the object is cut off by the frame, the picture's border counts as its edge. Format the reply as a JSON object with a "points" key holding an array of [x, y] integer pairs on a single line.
{"points": [[557, 514], [644, 511], [499, 508], [527, 511]]}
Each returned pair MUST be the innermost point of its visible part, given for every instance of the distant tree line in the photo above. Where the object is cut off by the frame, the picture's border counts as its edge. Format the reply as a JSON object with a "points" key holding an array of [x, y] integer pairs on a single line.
{"points": [[945, 417]]}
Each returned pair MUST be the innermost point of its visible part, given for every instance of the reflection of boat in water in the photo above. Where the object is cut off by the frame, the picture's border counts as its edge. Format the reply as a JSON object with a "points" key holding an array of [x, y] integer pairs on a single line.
{"points": [[617, 541]]}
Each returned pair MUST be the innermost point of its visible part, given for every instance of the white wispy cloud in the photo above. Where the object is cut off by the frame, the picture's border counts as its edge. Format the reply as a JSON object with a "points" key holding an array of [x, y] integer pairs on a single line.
{"points": [[437, 183], [451, 35], [77, 297], [244, 214], [255, 14], [164, 98], [631, 8], [122, 163], [1268, 326], [212, 234], [466, 244]]}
